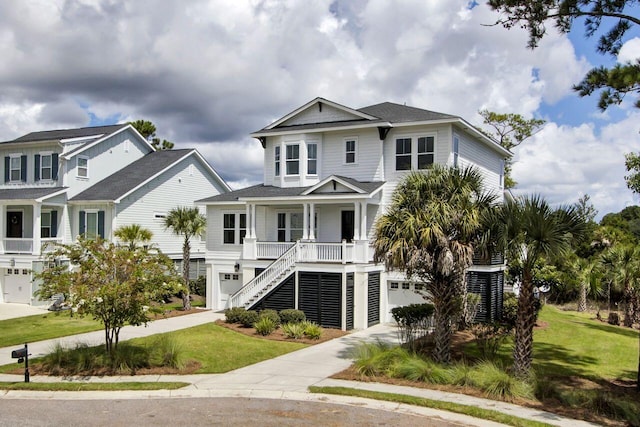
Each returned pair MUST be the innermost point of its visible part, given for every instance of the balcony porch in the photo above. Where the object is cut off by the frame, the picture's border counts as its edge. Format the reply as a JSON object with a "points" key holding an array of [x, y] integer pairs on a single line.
{"points": [[29, 228]]}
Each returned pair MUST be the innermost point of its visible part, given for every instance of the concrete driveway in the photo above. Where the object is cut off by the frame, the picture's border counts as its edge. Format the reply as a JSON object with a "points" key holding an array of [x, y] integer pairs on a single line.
{"points": [[11, 311]]}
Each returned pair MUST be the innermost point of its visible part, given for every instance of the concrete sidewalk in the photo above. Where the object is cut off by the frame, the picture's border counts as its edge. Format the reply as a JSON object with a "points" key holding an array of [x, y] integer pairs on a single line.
{"points": [[284, 377], [41, 348]]}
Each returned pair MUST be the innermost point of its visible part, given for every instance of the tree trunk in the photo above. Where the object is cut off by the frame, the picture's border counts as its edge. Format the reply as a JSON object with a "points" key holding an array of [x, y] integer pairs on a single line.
{"points": [[628, 306], [582, 300], [446, 308], [186, 258], [526, 319]]}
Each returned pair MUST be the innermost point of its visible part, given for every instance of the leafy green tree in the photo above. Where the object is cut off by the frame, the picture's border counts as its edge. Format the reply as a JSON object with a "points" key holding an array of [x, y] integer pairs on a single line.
{"points": [[133, 235], [429, 232], [588, 273], [632, 163], [534, 15], [624, 266], [510, 130], [148, 130], [188, 222], [114, 284], [530, 231]]}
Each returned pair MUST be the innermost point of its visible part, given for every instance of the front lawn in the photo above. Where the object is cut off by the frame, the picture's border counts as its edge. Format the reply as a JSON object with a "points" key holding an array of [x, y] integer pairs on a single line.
{"points": [[42, 327]]}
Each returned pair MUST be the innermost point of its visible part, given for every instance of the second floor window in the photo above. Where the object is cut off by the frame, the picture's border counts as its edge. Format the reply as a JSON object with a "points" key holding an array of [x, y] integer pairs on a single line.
{"points": [[350, 151], [403, 154], [83, 167], [234, 228], [16, 169], [277, 161], [45, 166], [456, 150], [293, 159], [312, 159], [425, 152]]}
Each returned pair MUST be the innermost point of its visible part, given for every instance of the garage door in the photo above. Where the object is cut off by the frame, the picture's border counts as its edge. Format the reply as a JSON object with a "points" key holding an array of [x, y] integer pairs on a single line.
{"points": [[401, 294], [17, 285], [229, 285]]}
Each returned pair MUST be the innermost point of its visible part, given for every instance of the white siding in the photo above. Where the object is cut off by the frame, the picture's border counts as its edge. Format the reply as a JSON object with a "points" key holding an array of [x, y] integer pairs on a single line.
{"points": [[487, 161], [215, 247], [368, 166], [105, 158], [30, 152], [175, 187]]}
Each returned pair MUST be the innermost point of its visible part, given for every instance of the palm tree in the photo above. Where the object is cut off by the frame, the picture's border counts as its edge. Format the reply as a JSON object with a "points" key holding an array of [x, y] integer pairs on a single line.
{"points": [[530, 231], [624, 263], [429, 233], [588, 274], [133, 234], [188, 222]]}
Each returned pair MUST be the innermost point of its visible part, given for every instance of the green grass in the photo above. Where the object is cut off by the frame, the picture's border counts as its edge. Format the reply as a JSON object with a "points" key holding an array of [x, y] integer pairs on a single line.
{"points": [[219, 349], [95, 386], [485, 414], [573, 344], [43, 327]]}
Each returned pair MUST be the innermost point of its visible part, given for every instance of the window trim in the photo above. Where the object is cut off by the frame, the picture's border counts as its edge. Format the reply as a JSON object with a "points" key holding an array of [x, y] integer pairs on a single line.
{"points": [[455, 149], [414, 154], [11, 168], [276, 160], [404, 154], [88, 212], [292, 160], [315, 159], [425, 153], [239, 232], [347, 151], [78, 167], [42, 168]]}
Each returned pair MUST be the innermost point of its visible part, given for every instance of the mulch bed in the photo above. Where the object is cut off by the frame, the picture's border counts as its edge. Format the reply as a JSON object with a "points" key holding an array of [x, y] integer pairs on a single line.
{"points": [[278, 335]]}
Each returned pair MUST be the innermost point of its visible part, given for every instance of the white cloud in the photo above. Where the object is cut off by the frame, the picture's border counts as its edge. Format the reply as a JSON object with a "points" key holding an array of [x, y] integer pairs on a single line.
{"points": [[630, 51]]}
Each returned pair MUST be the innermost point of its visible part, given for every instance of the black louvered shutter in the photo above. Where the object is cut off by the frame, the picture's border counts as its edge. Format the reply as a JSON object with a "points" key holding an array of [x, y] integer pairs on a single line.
{"points": [[54, 166], [373, 299], [54, 223], [23, 168], [350, 301], [101, 224], [7, 168], [36, 169], [82, 227]]}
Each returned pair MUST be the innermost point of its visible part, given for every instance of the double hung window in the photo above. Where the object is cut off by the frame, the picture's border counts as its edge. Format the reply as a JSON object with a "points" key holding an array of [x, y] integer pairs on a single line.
{"points": [[293, 159], [312, 159]]}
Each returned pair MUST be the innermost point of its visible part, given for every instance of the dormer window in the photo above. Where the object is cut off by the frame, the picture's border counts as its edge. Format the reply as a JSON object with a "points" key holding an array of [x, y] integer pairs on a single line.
{"points": [[83, 167], [312, 159], [293, 159]]}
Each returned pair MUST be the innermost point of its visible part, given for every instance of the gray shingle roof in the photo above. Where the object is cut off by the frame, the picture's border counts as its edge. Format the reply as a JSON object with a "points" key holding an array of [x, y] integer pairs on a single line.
{"points": [[270, 191], [396, 113], [56, 135], [27, 193], [131, 176]]}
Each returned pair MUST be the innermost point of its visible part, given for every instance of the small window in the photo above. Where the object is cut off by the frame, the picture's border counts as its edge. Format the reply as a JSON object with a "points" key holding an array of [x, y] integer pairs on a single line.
{"points": [[159, 215], [229, 229], [45, 166], [403, 154], [425, 151], [16, 271], [243, 227], [350, 151], [312, 159], [405, 285], [126, 146], [227, 277], [15, 169], [235, 277], [276, 159], [45, 224], [456, 150], [293, 159], [83, 167], [9, 271], [25, 272], [282, 227], [393, 285]]}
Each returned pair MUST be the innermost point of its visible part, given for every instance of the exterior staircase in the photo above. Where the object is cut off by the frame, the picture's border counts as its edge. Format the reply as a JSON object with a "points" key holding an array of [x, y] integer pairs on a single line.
{"points": [[267, 279]]}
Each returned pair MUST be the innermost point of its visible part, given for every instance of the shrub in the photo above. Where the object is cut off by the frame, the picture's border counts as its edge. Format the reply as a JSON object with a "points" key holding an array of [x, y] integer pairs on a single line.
{"points": [[490, 337], [265, 326], [312, 330], [378, 358], [460, 374], [248, 318], [129, 358], [418, 369], [198, 286], [232, 315], [270, 314], [414, 321], [167, 352], [614, 319], [293, 330], [291, 315], [497, 383]]}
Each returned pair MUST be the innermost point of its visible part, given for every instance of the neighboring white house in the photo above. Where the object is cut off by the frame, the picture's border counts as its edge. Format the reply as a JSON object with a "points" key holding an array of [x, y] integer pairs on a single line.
{"points": [[62, 183], [302, 238]]}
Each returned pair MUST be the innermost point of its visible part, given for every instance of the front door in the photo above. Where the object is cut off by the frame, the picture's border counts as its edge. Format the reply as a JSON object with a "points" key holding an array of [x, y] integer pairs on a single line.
{"points": [[14, 224], [348, 221]]}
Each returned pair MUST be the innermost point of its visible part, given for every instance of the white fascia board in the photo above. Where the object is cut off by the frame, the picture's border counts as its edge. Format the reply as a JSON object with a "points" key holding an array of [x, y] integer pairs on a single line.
{"points": [[81, 138], [324, 129], [221, 203], [329, 179], [103, 138], [309, 198], [324, 101], [91, 202], [211, 170]]}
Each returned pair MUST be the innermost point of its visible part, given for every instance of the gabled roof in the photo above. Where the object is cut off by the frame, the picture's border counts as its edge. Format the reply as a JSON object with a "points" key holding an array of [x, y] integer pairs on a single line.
{"points": [[261, 191], [61, 134], [39, 194], [126, 180], [397, 113]]}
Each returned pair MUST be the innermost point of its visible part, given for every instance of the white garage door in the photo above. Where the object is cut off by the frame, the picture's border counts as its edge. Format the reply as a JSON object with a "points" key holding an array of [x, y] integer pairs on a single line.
{"points": [[229, 285], [17, 285], [400, 294]]}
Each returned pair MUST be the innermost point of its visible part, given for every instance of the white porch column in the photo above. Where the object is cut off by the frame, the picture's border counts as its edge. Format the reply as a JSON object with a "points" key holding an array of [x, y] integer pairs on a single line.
{"points": [[312, 221], [363, 220], [356, 220], [305, 221], [248, 221], [37, 241], [253, 221]]}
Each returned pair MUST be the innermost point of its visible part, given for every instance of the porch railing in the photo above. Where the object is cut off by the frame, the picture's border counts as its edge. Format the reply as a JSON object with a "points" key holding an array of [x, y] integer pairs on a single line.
{"points": [[14, 245], [272, 250], [309, 251]]}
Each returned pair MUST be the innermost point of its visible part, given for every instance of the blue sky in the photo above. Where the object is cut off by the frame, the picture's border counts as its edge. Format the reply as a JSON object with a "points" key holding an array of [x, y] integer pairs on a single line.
{"points": [[210, 72]]}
